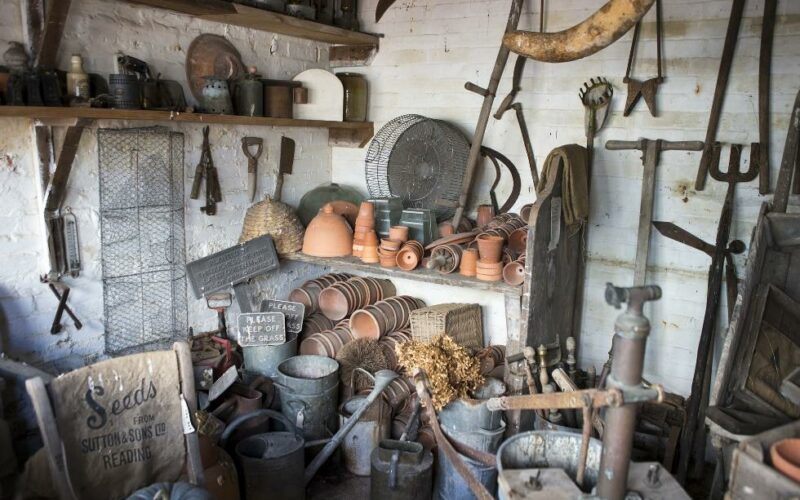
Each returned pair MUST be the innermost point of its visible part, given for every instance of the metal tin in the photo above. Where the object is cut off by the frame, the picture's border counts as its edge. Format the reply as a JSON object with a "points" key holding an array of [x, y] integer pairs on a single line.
{"points": [[126, 91], [279, 97], [216, 96], [366, 434], [471, 415], [264, 360], [249, 95], [309, 388], [412, 476], [479, 439]]}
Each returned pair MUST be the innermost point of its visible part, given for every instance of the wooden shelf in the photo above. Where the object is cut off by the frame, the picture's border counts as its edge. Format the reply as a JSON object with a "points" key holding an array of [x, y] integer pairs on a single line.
{"points": [[339, 133], [225, 12], [352, 264]]}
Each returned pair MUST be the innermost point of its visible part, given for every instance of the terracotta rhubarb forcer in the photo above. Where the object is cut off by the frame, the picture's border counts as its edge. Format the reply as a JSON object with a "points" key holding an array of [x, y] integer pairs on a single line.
{"points": [[328, 235]]}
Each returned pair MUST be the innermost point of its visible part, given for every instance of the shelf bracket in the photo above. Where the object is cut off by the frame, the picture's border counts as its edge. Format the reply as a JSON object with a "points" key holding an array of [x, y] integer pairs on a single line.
{"points": [[351, 137], [342, 56]]}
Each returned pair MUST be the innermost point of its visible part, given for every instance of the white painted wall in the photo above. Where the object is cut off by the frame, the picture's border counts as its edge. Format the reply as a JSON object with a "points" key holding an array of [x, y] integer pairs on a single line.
{"points": [[97, 29], [433, 46]]}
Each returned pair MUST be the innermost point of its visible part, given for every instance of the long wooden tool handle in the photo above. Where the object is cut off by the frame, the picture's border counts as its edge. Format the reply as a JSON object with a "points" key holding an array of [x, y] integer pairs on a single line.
{"points": [[737, 8], [764, 74]]}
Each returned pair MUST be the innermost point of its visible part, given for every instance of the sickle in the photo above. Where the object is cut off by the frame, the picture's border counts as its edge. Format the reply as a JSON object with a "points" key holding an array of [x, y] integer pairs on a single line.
{"points": [[595, 33]]}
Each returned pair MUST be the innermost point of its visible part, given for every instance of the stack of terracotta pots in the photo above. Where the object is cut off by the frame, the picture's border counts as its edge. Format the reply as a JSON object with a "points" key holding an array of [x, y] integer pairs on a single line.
{"points": [[327, 343], [339, 300], [365, 223], [308, 293], [503, 225], [316, 323], [398, 393], [388, 252], [410, 255], [514, 272], [469, 262], [368, 248], [490, 250], [390, 315]]}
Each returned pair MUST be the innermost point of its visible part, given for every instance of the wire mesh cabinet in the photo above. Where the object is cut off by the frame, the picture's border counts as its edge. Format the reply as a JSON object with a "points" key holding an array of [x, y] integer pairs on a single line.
{"points": [[142, 236]]}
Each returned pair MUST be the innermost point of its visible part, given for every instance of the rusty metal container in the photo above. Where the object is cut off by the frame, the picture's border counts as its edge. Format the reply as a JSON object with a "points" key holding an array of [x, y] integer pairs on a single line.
{"points": [[279, 98], [309, 387], [264, 360], [365, 436], [401, 470], [470, 415]]}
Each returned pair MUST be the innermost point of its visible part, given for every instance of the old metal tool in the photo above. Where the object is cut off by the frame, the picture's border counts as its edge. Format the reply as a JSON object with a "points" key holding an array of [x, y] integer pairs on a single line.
{"points": [[647, 88], [252, 162], [205, 170], [220, 302], [702, 374], [516, 183], [486, 109], [596, 98], [284, 165], [651, 150], [75, 320], [764, 77]]}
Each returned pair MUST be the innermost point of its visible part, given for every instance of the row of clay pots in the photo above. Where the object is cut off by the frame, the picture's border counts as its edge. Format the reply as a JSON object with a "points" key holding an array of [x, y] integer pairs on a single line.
{"points": [[316, 323], [327, 343], [445, 258], [339, 300], [398, 393], [376, 320], [514, 272], [389, 343], [410, 255], [308, 293], [503, 225]]}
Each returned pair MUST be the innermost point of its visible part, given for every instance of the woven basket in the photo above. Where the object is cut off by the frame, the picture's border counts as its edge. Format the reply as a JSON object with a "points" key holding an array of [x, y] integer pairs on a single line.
{"points": [[276, 219], [462, 322]]}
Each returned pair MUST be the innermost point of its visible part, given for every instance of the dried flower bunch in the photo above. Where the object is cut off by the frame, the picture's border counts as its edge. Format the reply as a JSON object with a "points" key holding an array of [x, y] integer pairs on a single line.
{"points": [[451, 369]]}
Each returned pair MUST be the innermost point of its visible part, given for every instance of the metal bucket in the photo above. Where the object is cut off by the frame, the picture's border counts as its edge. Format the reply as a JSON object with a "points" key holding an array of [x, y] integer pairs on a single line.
{"points": [[550, 449], [449, 485], [264, 360], [481, 439], [413, 475], [366, 434], [272, 462], [471, 415], [308, 387]]}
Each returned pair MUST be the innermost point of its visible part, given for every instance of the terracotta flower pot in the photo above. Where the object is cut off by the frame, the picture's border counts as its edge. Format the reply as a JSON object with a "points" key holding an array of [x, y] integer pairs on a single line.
{"points": [[469, 260], [518, 240], [490, 247], [485, 214], [335, 303], [364, 325], [387, 259], [399, 233], [371, 238], [328, 235], [391, 245], [514, 273], [785, 455], [525, 212], [367, 210], [408, 258], [446, 229]]}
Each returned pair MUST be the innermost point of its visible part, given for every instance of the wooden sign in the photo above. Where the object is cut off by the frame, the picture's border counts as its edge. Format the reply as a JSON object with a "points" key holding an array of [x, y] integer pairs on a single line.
{"points": [[232, 265], [294, 312], [261, 328]]}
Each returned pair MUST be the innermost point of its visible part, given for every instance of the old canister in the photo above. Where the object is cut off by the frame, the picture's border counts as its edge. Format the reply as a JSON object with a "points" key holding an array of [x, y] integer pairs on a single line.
{"points": [[308, 387], [279, 97], [216, 96], [249, 94], [401, 470], [366, 434], [355, 96]]}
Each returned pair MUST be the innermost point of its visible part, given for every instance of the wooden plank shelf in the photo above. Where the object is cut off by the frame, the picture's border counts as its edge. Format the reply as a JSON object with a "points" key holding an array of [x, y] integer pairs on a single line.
{"points": [[225, 12], [339, 133], [352, 264]]}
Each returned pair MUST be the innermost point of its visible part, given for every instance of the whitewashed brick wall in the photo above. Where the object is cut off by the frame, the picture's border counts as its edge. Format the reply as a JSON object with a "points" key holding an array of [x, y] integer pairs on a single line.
{"points": [[97, 29], [433, 46]]}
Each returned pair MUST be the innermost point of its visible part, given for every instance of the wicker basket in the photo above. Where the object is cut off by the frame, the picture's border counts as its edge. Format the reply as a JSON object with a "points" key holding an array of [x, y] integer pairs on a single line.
{"points": [[462, 322], [276, 219]]}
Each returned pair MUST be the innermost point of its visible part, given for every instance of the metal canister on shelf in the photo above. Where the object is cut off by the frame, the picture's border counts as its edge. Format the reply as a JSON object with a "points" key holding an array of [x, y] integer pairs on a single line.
{"points": [[126, 91], [249, 94], [216, 96], [278, 97], [355, 96]]}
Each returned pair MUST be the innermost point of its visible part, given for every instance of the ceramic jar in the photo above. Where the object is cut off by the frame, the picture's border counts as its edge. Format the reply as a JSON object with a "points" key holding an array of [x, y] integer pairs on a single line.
{"points": [[355, 96], [328, 235], [77, 80]]}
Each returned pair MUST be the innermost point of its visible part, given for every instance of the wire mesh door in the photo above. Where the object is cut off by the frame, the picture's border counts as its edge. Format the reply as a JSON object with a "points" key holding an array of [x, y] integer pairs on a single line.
{"points": [[142, 236]]}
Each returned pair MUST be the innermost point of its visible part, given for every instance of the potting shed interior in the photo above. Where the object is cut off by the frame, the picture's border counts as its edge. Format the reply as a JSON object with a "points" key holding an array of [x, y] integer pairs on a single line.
{"points": [[396, 249]]}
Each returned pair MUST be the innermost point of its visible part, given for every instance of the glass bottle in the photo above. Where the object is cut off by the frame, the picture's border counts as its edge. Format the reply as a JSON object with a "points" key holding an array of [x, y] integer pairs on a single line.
{"points": [[77, 79]]}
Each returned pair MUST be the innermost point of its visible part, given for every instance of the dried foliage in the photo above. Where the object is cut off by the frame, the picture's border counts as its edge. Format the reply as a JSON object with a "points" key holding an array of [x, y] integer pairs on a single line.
{"points": [[451, 369], [360, 353]]}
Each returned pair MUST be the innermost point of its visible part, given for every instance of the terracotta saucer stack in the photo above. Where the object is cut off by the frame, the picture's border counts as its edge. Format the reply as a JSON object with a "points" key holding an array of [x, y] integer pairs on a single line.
{"points": [[316, 323], [490, 250], [365, 223], [389, 343], [327, 343], [308, 293], [388, 252], [339, 300], [390, 315]]}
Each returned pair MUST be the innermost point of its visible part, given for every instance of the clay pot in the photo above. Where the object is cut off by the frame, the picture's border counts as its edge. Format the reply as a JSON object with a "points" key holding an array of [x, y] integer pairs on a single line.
{"points": [[446, 229], [518, 240], [514, 273], [785, 455], [334, 303], [525, 212], [367, 210], [371, 238], [365, 325], [469, 260], [490, 247], [369, 254], [387, 259], [409, 256], [346, 209], [489, 271], [399, 233], [387, 288], [328, 235], [485, 215], [391, 245]]}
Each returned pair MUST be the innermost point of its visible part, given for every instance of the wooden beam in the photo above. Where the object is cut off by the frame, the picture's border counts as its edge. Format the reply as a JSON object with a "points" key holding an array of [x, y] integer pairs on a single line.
{"points": [[57, 189], [44, 152], [53, 30], [33, 20]]}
